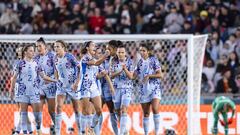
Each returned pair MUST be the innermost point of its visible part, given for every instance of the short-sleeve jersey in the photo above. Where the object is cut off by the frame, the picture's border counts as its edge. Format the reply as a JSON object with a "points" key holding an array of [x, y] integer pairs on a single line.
{"points": [[47, 63], [147, 67], [28, 77], [89, 73], [122, 81], [67, 69]]}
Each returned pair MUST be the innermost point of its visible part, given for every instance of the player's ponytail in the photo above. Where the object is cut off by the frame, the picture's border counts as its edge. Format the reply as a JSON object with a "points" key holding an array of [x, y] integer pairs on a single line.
{"points": [[41, 40]]}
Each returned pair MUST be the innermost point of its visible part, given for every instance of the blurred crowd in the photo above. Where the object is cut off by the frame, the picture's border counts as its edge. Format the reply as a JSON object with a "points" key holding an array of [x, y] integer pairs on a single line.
{"points": [[218, 18]]}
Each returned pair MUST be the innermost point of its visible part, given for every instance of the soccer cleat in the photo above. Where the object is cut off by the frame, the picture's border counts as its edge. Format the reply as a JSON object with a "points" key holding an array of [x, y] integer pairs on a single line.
{"points": [[71, 130], [52, 130]]}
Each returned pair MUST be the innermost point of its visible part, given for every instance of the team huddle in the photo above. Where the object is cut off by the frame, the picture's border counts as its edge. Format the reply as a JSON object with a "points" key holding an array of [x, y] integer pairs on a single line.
{"points": [[99, 76]]}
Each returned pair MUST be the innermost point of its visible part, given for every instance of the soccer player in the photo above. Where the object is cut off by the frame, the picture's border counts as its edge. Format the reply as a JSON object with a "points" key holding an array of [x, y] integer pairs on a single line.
{"points": [[68, 73], [148, 73], [106, 92], [27, 74], [88, 86], [47, 90], [122, 73], [14, 95], [222, 105]]}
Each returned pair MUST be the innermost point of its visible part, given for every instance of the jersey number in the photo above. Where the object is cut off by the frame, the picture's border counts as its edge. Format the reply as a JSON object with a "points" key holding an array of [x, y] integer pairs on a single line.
{"points": [[29, 77]]}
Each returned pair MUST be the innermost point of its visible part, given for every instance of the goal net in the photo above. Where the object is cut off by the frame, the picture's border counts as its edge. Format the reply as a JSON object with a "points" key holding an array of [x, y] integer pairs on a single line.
{"points": [[180, 56]]}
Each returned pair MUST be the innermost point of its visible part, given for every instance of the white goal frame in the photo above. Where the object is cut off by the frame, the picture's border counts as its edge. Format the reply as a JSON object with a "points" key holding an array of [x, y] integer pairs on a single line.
{"points": [[191, 100]]}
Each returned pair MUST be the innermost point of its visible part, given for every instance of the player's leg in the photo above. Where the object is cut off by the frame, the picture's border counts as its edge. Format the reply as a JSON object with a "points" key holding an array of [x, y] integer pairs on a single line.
{"points": [[23, 116], [76, 108], [125, 102], [29, 126], [58, 118], [84, 116], [50, 95], [146, 113], [215, 118], [17, 129], [109, 102], [156, 116], [97, 103], [51, 111], [36, 106], [225, 118]]}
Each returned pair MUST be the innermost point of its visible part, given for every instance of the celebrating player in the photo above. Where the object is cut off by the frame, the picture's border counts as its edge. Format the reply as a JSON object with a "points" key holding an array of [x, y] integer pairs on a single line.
{"points": [[148, 73], [47, 90], [27, 72], [88, 86], [122, 72], [222, 105], [106, 92], [68, 72]]}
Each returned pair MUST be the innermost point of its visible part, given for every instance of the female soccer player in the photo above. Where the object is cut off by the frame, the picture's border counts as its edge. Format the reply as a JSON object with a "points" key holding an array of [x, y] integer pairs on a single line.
{"points": [[14, 95], [149, 73], [47, 90], [122, 73], [222, 105], [27, 72], [88, 86], [68, 72], [106, 92]]}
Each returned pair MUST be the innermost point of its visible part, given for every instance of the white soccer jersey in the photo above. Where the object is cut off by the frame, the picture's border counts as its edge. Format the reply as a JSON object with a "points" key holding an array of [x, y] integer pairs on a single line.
{"points": [[28, 77], [47, 63], [89, 74], [67, 69], [148, 67], [122, 81]]}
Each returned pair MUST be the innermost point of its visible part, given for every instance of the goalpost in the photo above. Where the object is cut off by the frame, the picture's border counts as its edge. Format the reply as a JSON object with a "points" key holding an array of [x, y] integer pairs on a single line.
{"points": [[180, 55]]}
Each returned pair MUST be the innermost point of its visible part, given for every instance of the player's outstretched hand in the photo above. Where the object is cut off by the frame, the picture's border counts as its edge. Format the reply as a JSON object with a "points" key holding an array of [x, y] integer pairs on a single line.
{"points": [[230, 121], [222, 122]]}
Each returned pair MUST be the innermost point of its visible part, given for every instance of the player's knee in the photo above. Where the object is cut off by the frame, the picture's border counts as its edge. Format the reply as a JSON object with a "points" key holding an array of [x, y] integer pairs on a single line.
{"points": [[123, 110], [155, 110], [146, 114], [59, 108], [98, 110]]}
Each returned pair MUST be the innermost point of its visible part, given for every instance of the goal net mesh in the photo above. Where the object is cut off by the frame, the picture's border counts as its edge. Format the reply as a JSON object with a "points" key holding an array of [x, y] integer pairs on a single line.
{"points": [[172, 54]]}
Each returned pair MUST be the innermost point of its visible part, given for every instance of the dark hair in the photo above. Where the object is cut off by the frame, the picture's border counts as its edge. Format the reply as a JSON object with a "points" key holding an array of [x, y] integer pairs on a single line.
{"points": [[63, 44], [41, 40], [119, 43], [113, 43], [25, 48], [84, 47], [122, 46], [148, 47]]}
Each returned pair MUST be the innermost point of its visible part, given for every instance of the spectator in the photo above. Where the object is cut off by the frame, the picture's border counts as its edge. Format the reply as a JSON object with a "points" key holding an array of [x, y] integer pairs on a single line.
{"points": [[174, 20], [157, 20], [96, 22], [81, 29], [76, 17], [9, 20], [226, 84], [202, 21], [206, 85], [209, 69], [187, 28], [233, 62]]}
